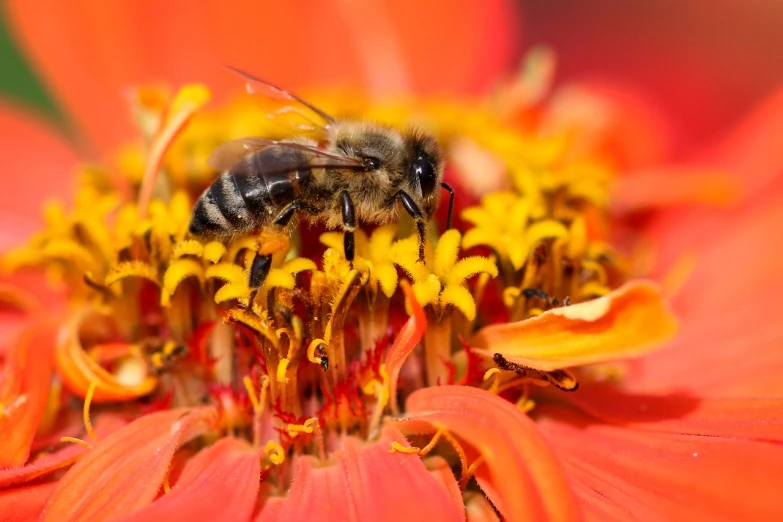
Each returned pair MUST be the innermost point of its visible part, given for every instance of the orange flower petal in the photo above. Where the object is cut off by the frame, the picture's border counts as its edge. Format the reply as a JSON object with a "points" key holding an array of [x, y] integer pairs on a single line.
{"points": [[24, 504], [30, 145], [621, 473], [59, 459], [366, 483], [219, 483], [124, 472], [627, 322], [758, 419], [144, 41], [520, 474], [24, 388], [409, 336]]}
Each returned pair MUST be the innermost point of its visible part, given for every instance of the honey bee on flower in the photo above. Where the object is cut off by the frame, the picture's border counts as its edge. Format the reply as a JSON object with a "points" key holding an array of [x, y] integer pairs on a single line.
{"points": [[282, 327]]}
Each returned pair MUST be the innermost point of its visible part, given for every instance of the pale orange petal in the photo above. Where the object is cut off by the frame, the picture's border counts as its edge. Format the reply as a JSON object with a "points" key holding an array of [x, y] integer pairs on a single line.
{"points": [[619, 473], [219, 483], [627, 322], [124, 472], [367, 483], [520, 475]]}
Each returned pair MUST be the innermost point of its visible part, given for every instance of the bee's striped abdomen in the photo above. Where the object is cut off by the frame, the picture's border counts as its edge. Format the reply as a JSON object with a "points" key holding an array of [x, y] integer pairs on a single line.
{"points": [[248, 196]]}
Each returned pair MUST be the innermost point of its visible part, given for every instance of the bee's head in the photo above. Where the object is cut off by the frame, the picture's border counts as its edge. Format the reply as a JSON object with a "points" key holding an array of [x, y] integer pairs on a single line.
{"points": [[425, 171]]}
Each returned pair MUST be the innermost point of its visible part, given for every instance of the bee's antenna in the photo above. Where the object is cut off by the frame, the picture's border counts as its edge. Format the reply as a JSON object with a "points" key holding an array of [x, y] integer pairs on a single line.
{"points": [[451, 204]]}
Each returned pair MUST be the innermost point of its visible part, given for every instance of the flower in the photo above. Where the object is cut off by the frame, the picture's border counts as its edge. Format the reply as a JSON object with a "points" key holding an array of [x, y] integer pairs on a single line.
{"points": [[194, 393]]}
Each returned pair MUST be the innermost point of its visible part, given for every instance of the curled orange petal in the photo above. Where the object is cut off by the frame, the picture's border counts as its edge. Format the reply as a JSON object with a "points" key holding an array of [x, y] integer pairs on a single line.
{"points": [[520, 474], [229, 470], [124, 471], [24, 388], [409, 336], [627, 322], [78, 370], [366, 483]]}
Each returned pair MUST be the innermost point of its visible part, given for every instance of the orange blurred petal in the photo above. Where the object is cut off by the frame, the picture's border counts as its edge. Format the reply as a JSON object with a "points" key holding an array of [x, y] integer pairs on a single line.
{"points": [[520, 474], [731, 330], [409, 336], [142, 41], [41, 165], [124, 472], [24, 504], [644, 189], [219, 483], [24, 388], [751, 150], [366, 483], [627, 322], [621, 473], [59, 459]]}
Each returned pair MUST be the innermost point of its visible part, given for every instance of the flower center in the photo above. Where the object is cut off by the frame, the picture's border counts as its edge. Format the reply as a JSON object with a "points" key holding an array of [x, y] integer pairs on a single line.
{"points": [[324, 347]]}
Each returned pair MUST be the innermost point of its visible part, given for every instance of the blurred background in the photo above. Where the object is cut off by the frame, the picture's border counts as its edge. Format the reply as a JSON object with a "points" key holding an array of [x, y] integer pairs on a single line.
{"points": [[703, 64]]}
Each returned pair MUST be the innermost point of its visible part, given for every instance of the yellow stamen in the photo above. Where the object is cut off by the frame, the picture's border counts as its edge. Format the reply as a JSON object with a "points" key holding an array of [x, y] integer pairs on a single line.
{"points": [[309, 426], [166, 486], [470, 471], [80, 442], [397, 447], [311, 350], [86, 411], [431, 445], [275, 452], [281, 369], [495, 381], [251, 393], [213, 251]]}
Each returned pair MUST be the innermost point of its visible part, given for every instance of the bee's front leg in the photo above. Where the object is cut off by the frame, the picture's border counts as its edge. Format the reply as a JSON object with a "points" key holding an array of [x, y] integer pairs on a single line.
{"points": [[349, 225], [415, 212]]}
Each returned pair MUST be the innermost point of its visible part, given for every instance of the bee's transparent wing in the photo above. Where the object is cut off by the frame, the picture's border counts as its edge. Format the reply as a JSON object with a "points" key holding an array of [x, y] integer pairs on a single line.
{"points": [[301, 107], [228, 154]]}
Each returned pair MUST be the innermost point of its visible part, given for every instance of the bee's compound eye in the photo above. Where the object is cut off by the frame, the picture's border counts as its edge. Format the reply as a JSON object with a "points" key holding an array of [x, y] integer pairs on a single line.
{"points": [[371, 163], [422, 169]]}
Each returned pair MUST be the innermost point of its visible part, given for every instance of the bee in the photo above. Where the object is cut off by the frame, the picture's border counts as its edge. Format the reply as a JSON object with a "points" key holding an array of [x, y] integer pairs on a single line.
{"points": [[351, 173]]}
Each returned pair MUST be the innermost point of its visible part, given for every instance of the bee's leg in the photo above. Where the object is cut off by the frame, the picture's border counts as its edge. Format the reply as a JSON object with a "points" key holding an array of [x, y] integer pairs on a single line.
{"points": [[451, 204], [259, 270], [285, 215], [415, 212], [349, 225]]}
